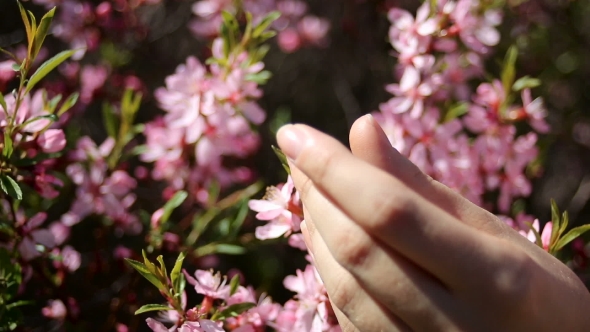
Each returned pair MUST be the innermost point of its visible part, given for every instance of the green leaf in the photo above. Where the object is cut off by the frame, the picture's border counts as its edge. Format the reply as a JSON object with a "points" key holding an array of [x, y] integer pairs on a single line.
{"points": [[152, 307], [19, 304], [234, 284], [41, 32], [172, 204], [68, 104], [509, 69], [283, 158], [143, 270], [149, 265], [236, 225], [556, 222], [50, 117], [111, 123], [7, 151], [526, 82], [12, 275], [52, 104], [235, 310], [265, 23], [261, 77], [266, 36], [570, 236], [564, 223], [221, 248], [160, 260], [10, 187], [456, 111], [3, 103], [47, 67], [25, 18], [176, 275]]}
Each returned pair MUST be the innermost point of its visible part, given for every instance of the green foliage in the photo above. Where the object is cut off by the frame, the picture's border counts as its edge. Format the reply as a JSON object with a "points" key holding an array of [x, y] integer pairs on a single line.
{"points": [[283, 158], [158, 276], [10, 187], [559, 238], [10, 280], [47, 67]]}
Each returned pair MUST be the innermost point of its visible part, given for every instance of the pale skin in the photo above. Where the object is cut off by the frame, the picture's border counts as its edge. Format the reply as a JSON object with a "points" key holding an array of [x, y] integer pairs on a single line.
{"points": [[398, 251]]}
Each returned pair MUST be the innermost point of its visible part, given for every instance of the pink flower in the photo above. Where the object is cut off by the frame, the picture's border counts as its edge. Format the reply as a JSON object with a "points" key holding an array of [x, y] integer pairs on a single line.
{"points": [[276, 207], [209, 284], [535, 111], [33, 235], [52, 140], [55, 310]]}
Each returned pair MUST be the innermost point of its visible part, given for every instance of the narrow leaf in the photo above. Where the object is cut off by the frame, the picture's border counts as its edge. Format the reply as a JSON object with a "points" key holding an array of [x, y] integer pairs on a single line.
{"points": [[456, 111], [52, 104], [234, 284], [235, 310], [571, 235], [111, 123], [143, 270], [509, 70], [556, 222], [152, 307], [283, 158], [10, 187], [3, 103], [525, 82], [69, 103], [265, 23], [42, 30], [7, 151], [25, 18], [172, 204], [175, 275], [564, 223], [47, 67], [160, 260], [148, 264]]}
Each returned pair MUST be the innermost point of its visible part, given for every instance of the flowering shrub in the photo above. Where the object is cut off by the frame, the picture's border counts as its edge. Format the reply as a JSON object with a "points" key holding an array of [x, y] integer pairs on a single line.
{"points": [[86, 209]]}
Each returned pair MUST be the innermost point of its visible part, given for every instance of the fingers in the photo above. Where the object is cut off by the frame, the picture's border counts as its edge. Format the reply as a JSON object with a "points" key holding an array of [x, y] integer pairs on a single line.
{"points": [[400, 286], [354, 307], [369, 143], [388, 209]]}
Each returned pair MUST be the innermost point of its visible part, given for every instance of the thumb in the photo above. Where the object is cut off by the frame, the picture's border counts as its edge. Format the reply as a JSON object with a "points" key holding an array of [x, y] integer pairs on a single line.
{"points": [[370, 143]]}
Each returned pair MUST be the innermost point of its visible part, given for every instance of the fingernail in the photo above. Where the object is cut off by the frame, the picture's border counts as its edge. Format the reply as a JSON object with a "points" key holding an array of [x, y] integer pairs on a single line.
{"points": [[291, 140], [306, 236]]}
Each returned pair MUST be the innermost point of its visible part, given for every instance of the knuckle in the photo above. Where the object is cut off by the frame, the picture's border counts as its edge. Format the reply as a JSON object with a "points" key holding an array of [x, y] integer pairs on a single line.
{"points": [[513, 281], [389, 208], [353, 249], [342, 294]]}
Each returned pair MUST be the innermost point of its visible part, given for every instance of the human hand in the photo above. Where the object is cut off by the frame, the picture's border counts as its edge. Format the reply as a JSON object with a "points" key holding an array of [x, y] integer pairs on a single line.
{"points": [[397, 250]]}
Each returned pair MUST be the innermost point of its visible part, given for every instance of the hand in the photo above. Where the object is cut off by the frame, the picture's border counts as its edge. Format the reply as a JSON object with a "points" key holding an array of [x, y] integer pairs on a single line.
{"points": [[397, 250]]}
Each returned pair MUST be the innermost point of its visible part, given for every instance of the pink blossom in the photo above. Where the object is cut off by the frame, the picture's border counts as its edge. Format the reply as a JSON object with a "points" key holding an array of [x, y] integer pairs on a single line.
{"points": [[276, 207], [52, 140], [55, 310], [209, 284], [33, 235]]}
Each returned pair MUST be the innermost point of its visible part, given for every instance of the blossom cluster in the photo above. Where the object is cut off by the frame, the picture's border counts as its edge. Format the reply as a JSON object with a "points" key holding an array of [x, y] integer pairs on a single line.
{"points": [[465, 139], [296, 28], [209, 113]]}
